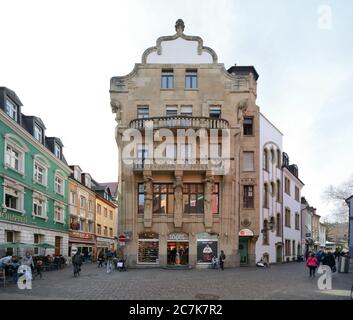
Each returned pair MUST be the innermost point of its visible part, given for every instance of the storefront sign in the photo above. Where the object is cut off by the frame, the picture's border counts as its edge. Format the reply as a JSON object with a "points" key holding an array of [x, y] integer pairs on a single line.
{"points": [[13, 217], [246, 233], [206, 249], [80, 235], [178, 237], [207, 236]]}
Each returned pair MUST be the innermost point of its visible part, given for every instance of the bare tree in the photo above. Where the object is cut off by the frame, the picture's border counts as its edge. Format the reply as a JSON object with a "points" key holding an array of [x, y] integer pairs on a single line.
{"points": [[337, 196]]}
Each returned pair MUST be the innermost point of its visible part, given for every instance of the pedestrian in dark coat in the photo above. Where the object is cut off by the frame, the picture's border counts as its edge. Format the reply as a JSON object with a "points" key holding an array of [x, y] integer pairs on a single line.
{"points": [[222, 257], [329, 260]]}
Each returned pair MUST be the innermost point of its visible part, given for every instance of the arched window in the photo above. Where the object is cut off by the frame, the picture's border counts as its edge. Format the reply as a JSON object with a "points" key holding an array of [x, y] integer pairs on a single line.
{"points": [[278, 193], [265, 160], [278, 158], [265, 196], [273, 157], [265, 232]]}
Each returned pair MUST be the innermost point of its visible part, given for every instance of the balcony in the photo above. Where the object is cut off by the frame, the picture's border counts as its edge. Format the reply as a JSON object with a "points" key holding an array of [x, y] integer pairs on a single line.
{"points": [[218, 167], [179, 122], [90, 216], [73, 210]]}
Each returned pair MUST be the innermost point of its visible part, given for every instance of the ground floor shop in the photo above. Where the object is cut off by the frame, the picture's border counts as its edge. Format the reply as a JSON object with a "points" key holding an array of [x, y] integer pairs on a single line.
{"points": [[11, 233], [82, 242], [104, 244], [187, 249]]}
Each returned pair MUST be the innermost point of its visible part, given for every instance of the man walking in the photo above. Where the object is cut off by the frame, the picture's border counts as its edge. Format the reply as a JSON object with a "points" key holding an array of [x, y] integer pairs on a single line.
{"points": [[222, 257]]}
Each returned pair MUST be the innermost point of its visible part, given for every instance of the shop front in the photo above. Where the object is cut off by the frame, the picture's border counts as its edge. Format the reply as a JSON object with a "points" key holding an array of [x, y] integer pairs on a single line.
{"points": [[81, 242], [104, 244], [178, 249], [207, 248], [245, 235]]}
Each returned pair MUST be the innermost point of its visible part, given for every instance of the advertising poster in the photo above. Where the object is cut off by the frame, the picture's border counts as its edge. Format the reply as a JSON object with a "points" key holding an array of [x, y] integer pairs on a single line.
{"points": [[206, 249]]}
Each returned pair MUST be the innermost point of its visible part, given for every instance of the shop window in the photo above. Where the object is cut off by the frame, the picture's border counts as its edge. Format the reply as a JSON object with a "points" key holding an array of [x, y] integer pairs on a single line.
{"points": [[193, 198], [148, 248]]}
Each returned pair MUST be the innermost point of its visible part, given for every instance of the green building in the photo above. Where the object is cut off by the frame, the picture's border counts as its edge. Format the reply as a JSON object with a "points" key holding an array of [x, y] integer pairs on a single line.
{"points": [[33, 181]]}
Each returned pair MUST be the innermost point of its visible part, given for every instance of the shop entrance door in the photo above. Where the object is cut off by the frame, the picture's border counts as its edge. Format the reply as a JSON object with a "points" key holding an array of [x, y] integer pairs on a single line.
{"points": [[57, 251], [243, 250], [178, 253]]}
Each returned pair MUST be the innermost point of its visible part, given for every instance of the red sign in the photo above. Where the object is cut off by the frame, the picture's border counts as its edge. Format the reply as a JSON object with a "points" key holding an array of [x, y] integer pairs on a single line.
{"points": [[122, 238], [80, 235]]}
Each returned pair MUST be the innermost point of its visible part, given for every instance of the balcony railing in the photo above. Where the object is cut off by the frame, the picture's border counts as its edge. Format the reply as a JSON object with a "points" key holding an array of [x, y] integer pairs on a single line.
{"points": [[180, 122], [218, 166]]}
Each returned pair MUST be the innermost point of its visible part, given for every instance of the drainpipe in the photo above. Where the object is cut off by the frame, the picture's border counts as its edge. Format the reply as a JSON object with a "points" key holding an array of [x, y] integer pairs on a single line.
{"points": [[282, 198]]}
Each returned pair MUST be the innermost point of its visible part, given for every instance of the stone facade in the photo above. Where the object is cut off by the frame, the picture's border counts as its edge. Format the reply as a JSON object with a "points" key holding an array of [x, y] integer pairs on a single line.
{"points": [[177, 234]]}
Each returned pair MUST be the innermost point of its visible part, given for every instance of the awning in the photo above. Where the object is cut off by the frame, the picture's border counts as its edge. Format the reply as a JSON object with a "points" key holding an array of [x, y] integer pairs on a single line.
{"points": [[246, 233]]}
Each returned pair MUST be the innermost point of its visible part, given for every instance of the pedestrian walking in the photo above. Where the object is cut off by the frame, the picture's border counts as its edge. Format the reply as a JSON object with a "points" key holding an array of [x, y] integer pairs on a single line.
{"points": [[77, 263], [312, 264], [222, 257], [100, 259], [38, 269], [330, 261]]}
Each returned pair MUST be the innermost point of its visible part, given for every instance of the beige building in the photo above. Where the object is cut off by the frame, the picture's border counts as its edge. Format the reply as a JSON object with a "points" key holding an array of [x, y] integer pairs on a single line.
{"points": [[181, 213]]}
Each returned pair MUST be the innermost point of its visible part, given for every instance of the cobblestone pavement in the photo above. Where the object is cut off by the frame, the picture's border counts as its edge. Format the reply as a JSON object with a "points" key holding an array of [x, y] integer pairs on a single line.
{"points": [[287, 281]]}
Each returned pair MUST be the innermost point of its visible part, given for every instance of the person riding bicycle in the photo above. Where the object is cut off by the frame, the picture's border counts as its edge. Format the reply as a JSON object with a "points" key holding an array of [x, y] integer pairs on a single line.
{"points": [[77, 262]]}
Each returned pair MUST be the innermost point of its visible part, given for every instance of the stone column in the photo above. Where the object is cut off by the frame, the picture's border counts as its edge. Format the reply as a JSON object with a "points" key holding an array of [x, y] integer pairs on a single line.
{"points": [[208, 219], [178, 194], [147, 176]]}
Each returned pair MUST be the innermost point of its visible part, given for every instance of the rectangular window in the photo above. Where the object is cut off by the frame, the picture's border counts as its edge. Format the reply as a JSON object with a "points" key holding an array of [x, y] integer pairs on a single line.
{"points": [[57, 151], [186, 153], [293, 247], [287, 218], [58, 214], [38, 133], [297, 193], [287, 185], [193, 198], [12, 198], [36, 240], [171, 152], [171, 111], [105, 230], [191, 79], [141, 198], [167, 81], [90, 227], [11, 109], [215, 112], [248, 161], [99, 229], [59, 185], [142, 112], [73, 198], [215, 199], [163, 198], [185, 111], [110, 214], [105, 212], [297, 221], [278, 225], [40, 174], [110, 232], [39, 208], [82, 202], [287, 248], [248, 126], [99, 209], [248, 200], [13, 158], [90, 206]]}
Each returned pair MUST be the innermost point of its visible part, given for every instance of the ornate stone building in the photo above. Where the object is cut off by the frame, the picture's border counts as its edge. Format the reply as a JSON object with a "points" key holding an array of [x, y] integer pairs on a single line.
{"points": [[179, 203]]}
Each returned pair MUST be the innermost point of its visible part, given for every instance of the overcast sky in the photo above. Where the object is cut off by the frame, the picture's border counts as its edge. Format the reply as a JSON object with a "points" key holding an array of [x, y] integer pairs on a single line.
{"points": [[59, 56]]}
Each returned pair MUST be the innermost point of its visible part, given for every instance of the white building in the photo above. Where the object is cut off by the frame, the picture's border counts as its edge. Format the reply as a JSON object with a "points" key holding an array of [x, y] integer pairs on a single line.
{"points": [[292, 186], [307, 213], [269, 244], [280, 187]]}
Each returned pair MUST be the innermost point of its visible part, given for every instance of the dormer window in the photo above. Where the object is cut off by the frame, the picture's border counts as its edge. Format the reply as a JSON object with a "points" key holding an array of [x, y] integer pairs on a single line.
{"points": [[38, 133], [87, 181], [11, 109], [57, 151], [77, 174]]}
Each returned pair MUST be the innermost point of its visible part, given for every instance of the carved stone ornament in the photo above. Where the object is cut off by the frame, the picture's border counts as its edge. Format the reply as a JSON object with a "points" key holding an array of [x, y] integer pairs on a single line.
{"points": [[246, 222], [179, 26], [116, 108], [241, 108]]}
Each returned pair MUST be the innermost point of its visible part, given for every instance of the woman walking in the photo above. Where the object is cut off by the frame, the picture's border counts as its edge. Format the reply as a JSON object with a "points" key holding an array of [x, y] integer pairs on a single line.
{"points": [[311, 263]]}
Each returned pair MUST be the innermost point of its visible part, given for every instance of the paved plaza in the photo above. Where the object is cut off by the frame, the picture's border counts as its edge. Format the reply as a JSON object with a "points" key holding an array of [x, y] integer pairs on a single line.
{"points": [[286, 281]]}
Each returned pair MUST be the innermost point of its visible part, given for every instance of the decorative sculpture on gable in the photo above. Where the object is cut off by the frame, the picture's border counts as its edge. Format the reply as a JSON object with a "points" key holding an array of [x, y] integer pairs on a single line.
{"points": [[241, 108]]}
